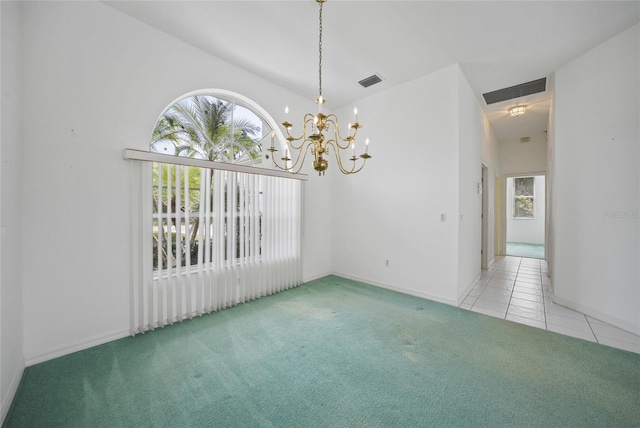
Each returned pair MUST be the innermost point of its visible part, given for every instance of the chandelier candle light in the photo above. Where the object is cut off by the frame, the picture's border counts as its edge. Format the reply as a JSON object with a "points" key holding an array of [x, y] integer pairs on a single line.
{"points": [[313, 139]]}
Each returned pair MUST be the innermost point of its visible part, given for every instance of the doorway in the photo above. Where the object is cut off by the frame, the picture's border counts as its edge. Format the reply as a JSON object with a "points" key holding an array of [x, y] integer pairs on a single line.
{"points": [[484, 218], [525, 216]]}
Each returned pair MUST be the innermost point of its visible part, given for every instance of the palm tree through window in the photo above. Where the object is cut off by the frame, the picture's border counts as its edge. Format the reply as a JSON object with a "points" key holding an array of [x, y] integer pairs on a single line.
{"points": [[210, 128]]}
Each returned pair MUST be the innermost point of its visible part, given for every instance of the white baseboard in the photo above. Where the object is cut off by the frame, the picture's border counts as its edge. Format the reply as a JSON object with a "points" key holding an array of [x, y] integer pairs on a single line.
{"points": [[493, 260], [466, 292], [11, 393], [314, 277], [79, 346], [434, 297], [60, 351], [616, 322]]}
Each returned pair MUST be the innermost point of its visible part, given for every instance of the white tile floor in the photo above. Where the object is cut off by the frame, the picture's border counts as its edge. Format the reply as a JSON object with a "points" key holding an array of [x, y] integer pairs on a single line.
{"points": [[517, 289]]}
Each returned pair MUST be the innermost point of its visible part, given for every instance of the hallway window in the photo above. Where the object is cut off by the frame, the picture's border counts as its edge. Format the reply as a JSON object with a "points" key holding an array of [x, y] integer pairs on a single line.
{"points": [[523, 198]]}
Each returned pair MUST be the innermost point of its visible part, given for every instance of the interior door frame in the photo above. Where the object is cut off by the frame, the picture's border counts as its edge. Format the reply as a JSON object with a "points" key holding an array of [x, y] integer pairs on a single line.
{"points": [[501, 218], [484, 253]]}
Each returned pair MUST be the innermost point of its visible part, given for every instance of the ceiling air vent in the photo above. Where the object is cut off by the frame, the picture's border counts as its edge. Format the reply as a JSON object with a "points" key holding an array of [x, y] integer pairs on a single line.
{"points": [[371, 80], [517, 91]]}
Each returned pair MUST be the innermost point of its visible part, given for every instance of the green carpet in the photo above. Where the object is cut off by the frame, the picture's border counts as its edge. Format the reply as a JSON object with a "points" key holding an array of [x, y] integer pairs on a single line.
{"points": [[519, 249], [336, 353]]}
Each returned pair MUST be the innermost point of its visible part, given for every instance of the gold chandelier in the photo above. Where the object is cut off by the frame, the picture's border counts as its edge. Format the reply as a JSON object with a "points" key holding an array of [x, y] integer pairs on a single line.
{"points": [[313, 139]]}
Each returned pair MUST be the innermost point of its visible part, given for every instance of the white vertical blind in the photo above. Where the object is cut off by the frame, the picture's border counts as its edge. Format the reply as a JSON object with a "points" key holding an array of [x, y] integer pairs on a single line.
{"points": [[205, 239]]}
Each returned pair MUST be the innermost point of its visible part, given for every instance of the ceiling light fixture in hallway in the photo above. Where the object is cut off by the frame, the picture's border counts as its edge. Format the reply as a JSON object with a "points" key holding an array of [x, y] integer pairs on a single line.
{"points": [[517, 110]]}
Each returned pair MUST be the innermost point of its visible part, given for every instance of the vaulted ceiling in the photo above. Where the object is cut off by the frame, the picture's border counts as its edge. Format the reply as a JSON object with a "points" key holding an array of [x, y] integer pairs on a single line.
{"points": [[496, 43]]}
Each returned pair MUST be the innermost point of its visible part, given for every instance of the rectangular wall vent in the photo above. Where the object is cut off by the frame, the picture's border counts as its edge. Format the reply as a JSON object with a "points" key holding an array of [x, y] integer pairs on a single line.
{"points": [[517, 91], [371, 80], [525, 139]]}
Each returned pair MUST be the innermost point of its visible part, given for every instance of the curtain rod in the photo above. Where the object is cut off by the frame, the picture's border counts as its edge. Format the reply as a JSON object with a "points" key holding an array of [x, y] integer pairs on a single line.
{"points": [[141, 155]]}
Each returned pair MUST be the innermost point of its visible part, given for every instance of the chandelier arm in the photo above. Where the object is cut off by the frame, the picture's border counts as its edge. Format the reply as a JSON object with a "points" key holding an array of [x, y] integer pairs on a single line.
{"points": [[273, 158], [301, 156], [291, 140], [308, 118], [356, 170], [355, 126], [339, 159], [336, 141], [293, 169], [336, 145], [349, 138], [336, 154], [333, 120]]}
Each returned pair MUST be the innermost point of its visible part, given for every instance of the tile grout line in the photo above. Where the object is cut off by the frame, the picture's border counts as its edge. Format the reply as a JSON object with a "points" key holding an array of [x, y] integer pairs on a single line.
{"points": [[546, 324], [512, 288], [544, 305], [484, 286]]}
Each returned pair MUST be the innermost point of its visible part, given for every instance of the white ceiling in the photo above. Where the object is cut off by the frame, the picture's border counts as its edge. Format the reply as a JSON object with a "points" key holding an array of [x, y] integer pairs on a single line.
{"points": [[497, 43]]}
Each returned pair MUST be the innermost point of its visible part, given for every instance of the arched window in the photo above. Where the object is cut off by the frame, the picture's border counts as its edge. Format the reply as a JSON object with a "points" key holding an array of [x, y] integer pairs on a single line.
{"points": [[209, 230], [215, 125]]}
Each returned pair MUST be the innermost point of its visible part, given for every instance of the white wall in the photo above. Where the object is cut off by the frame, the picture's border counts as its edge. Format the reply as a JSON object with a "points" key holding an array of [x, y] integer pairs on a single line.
{"points": [[391, 210], [527, 230], [549, 250], [11, 333], [471, 130], [523, 158], [490, 158], [596, 184], [92, 89]]}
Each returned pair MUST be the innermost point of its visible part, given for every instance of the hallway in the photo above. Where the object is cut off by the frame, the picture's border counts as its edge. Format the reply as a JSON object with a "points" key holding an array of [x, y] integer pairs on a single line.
{"points": [[517, 289]]}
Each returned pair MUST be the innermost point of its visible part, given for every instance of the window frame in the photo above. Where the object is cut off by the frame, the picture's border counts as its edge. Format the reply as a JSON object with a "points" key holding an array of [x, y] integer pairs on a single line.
{"points": [[239, 100], [531, 198], [271, 134]]}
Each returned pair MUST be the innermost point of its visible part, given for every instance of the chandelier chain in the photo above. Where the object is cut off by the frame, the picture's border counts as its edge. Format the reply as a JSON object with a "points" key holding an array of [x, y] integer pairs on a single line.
{"points": [[320, 53]]}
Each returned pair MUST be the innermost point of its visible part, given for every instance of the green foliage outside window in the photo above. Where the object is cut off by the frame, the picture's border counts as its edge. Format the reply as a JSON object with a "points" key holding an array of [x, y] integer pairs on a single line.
{"points": [[523, 201], [202, 127], [210, 128], [524, 207]]}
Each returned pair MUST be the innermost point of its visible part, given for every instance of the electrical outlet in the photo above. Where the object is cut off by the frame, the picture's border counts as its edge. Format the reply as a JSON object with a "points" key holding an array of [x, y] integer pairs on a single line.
{"points": [[386, 263], [443, 217]]}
